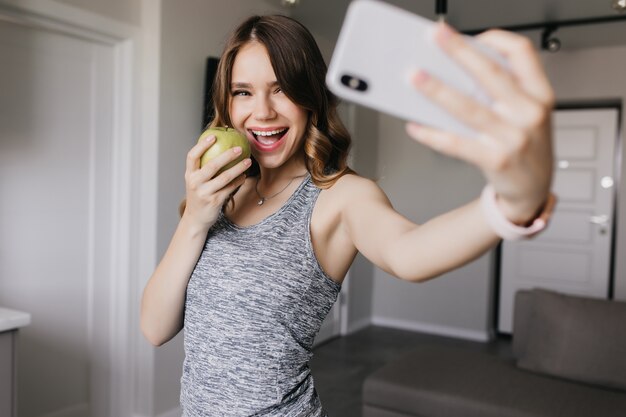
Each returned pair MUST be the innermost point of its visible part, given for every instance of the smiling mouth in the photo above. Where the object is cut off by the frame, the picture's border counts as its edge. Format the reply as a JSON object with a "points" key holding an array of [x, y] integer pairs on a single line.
{"points": [[268, 138]]}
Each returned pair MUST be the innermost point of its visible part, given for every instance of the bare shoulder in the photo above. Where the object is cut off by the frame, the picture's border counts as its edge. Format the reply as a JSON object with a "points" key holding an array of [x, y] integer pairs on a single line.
{"points": [[348, 198], [333, 215], [352, 188]]}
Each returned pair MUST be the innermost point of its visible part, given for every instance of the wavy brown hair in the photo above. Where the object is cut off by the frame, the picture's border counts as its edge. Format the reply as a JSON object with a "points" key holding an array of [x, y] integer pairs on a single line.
{"points": [[300, 71]]}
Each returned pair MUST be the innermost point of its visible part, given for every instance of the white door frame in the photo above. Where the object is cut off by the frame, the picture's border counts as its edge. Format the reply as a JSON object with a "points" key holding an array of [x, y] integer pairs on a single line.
{"points": [[617, 174], [128, 379]]}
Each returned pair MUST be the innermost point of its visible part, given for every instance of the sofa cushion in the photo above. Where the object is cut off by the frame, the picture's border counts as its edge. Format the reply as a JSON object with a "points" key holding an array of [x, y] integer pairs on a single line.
{"points": [[437, 381], [578, 338]]}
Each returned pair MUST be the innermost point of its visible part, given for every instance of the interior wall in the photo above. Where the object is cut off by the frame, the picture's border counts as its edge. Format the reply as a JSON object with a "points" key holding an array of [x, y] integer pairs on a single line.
{"points": [[364, 127], [191, 30], [127, 11], [422, 184]]}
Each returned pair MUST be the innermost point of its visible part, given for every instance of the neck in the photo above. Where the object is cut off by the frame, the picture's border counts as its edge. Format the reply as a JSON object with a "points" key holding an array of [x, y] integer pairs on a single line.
{"points": [[279, 175], [274, 187]]}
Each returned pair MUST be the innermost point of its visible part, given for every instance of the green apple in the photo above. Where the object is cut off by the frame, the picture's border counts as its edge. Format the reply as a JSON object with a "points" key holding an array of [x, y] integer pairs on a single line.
{"points": [[226, 138]]}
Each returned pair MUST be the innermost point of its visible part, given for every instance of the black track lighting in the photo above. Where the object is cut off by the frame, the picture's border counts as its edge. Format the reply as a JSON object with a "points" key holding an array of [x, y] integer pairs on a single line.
{"points": [[619, 5], [549, 42], [441, 9]]}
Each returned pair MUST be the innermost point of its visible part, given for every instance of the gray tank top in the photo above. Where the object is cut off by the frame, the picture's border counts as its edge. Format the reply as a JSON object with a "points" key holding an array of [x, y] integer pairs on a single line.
{"points": [[255, 301]]}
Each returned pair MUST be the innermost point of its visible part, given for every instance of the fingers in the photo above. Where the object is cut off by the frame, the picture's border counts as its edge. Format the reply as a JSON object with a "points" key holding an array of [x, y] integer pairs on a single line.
{"points": [[484, 151], [207, 187], [521, 91], [522, 94], [491, 74], [513, 146], [214, 192], [213, 167], [233, 174], [197, 176], [204, 203], [226, 191], [193, 156], [464, 108], [525, 63]]}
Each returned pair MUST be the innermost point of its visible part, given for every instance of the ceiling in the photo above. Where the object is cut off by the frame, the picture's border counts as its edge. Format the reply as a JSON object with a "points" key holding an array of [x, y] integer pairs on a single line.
{"points": [[327, 15]]}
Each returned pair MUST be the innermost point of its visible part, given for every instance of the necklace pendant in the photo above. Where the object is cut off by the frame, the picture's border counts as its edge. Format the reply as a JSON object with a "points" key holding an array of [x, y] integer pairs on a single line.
{"points": [[260, 202]]}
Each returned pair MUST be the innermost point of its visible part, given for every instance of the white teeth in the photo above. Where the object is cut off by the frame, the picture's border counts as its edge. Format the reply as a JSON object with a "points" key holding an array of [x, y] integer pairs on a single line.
{"points": [[267, 133]]}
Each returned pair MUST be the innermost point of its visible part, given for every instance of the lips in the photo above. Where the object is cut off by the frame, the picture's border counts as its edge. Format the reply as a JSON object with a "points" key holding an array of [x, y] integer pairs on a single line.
{"points": [[267, 139]]}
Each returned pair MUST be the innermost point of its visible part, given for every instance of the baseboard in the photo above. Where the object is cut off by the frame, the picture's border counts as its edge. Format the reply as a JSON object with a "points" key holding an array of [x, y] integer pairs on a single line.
{"points": [[77, 410], [355, 326], [174, 412], [474, 335]]}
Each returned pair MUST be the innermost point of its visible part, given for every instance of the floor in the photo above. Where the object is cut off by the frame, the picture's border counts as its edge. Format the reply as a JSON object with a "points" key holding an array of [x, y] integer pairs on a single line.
{"points": [[340, 365]]}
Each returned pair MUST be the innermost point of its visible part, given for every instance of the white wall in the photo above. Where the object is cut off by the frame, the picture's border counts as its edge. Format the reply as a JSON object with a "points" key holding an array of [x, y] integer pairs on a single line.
{"points": [[127, 11], [363, 124], [422, 184]]}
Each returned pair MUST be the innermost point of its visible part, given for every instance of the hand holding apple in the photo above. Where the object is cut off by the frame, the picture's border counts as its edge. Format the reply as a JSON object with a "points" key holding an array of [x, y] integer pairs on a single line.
{"points": [[216, 167], [226, 138]]}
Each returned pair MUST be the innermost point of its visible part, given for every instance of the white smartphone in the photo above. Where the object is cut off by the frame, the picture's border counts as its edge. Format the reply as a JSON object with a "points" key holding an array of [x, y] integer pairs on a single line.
{"points": [[379, 48]]}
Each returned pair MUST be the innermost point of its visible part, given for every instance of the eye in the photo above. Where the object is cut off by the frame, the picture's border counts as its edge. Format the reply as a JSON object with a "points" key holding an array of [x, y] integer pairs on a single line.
{"points": [[240, 93], [278, 90]]}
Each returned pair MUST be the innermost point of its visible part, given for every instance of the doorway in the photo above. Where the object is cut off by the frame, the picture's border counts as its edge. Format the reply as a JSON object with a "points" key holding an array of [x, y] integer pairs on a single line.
{"points": [[65, 163], [575, 254]]}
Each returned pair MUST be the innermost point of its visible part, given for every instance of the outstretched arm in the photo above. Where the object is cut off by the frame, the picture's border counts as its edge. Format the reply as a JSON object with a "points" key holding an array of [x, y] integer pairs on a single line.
{"points": [[404, 249], [513, 150]]}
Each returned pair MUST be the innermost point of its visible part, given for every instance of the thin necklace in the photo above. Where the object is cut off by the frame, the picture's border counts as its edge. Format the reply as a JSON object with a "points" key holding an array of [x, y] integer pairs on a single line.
{"points": [[263, 199]]}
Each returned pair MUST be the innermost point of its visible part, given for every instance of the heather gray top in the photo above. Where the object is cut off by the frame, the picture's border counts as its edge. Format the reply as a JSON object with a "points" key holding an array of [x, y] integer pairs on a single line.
{"points": [[255, 302]]}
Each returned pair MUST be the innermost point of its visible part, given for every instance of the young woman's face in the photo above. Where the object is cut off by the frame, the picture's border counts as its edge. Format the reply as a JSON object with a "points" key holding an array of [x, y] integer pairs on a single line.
{"points": [[274, 124]]}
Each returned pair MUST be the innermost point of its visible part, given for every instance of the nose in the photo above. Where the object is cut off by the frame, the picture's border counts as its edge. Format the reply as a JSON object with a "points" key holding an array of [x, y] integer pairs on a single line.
{"points": [[263, 108]]}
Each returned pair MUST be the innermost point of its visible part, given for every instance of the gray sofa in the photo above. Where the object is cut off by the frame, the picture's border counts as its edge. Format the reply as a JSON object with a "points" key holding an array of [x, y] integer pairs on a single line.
{"points": [[569, 360]]}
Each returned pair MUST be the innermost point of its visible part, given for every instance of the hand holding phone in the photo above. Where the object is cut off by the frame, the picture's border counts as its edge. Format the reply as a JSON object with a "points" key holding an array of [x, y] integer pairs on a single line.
{"points": [[460, 94], [379, 48]]}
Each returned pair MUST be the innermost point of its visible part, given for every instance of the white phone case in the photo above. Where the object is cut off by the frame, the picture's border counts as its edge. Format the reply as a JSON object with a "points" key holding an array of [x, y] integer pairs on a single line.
{"points": [[379, 48]]}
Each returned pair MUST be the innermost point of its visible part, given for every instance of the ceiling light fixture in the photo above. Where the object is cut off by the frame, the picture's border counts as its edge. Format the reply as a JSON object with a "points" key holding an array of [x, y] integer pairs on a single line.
{"points": [[289, 3], [441, 9], [549, 42], [619, 5]]}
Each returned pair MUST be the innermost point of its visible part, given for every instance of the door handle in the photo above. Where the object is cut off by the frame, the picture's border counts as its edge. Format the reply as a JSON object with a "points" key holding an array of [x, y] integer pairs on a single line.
{"points": [[600, 220]]}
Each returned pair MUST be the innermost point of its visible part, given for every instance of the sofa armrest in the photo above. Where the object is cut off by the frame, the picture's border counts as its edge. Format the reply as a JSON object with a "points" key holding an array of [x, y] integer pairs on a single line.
{"points": [[522, 313], [578, 338]]}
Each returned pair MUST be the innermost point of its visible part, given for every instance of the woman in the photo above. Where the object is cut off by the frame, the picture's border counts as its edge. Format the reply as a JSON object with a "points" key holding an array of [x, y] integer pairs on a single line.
{"points": [[251, 282]]}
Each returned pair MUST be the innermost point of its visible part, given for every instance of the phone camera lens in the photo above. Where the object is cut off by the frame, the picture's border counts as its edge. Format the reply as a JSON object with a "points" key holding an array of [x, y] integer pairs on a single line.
{"points": [[353, 82]]}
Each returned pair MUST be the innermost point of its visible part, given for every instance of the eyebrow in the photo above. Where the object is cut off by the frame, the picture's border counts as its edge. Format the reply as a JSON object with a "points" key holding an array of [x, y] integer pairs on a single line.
{"points": [[248, 85]]}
